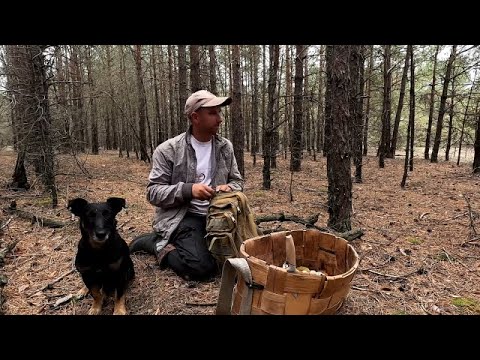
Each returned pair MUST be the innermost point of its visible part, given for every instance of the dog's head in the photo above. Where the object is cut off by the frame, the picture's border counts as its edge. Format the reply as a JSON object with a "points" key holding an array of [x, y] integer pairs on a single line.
{"points": [[97, 220]]}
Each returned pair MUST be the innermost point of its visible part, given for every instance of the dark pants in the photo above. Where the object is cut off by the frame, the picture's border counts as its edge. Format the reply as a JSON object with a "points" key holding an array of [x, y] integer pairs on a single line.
{"points": [[189, 256]]}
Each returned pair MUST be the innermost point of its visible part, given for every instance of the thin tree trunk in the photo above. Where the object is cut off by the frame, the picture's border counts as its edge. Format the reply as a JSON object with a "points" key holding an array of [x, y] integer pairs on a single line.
{"points": [[182, 82], [393, 147], [432, 102], [476, 158], [367, 108], [321, 104], [158, 120], [296, 146], [441, 111], [142, 105], [173, 123], [268, 129], [356, 68], [412, 109], [254, 53], [411, 117], [237, 117], [465, 118], [195, 80], [450, 121], [93, 104], [386, 107]]}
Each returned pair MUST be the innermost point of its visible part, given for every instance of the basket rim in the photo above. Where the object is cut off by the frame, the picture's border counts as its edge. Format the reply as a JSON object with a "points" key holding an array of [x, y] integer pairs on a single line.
{"points": [[259, 261]]}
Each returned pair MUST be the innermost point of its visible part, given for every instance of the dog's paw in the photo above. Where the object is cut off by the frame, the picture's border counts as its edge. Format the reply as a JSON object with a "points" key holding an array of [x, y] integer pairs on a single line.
{"points": [[94, 310], [120, 311], [82, 293]]}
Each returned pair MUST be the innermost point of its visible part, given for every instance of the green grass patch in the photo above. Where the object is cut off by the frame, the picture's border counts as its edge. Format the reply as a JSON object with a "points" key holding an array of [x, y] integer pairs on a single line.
{"points": [[466, 303], [414, 241]]}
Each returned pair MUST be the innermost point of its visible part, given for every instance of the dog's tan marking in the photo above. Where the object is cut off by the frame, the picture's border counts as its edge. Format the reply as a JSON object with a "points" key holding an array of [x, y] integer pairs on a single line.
{"points": [[97, 301], [83, 292], [120, 308]]}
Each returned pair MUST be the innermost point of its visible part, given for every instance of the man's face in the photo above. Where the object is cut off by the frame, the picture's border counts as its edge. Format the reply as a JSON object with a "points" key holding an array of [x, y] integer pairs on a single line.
{"points": [[207, 120]]}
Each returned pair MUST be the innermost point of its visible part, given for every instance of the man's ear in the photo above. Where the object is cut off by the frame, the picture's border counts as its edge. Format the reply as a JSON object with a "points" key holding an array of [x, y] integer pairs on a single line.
{"points": [[77, 206], [116, 204]]}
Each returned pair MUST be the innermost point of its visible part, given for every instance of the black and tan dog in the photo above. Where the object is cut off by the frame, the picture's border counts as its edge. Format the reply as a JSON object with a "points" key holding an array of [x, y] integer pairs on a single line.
{"points": [[103, 258]]}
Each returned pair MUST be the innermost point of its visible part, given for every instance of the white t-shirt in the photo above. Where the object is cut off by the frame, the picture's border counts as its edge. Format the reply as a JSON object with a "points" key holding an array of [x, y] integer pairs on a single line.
{"points": [[203, 152]]}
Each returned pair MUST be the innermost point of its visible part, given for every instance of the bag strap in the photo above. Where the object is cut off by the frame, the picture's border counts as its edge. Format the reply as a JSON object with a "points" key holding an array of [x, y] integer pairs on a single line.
{"points": [[231, 267]]}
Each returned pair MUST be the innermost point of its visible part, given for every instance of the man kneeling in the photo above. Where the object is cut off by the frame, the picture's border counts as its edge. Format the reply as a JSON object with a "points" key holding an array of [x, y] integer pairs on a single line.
{"points": [[186, 172]]}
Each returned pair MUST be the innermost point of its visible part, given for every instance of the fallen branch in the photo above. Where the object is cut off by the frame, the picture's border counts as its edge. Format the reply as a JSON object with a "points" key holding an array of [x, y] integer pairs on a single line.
{"points": [[45, 222], [418, 271], [200, 304], [5, 225], [50, 284], [309, 223]]}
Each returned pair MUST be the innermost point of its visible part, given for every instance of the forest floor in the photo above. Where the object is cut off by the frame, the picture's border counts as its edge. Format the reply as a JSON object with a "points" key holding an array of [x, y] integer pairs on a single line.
{"points": [[420, 253]]}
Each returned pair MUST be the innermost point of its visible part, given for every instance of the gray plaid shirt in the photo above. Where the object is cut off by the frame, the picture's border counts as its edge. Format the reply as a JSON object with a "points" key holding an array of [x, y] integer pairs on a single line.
{"points": [[172, 176]]}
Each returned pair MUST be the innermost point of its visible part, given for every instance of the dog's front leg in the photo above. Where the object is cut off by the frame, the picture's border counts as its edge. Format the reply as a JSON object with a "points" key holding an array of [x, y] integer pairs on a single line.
{"points": [[119, 308], [82, 293], [97, 301]]}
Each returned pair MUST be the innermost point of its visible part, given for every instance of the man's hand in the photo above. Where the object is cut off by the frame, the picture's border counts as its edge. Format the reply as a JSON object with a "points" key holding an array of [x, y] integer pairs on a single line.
{"points": [[202, 192], [224, 188]]}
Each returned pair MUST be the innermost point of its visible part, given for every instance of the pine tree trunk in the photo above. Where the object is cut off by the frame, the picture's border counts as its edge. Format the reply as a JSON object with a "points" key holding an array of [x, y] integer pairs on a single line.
{"points": [[412, 109], [450, 122], [182, 88], [254, 53], [430, 113], [441, 111], [356, 68], [268, 129], [367, 108], [93, 104], [321, 105], [296, 153], [339, 150], [393, 147], [142, 105], [464, 120], [476, 158], [386, 107], [195, 81], [158, 120], [237, 117], [411, 118]]}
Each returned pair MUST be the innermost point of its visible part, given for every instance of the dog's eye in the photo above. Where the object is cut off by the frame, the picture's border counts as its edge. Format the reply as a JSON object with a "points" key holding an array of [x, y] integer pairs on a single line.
{"points": [[106, 213], [91, 214]]}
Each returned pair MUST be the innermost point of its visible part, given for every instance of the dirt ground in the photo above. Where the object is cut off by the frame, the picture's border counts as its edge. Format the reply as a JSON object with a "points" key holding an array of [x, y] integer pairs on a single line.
{"points": [[420, 253]]}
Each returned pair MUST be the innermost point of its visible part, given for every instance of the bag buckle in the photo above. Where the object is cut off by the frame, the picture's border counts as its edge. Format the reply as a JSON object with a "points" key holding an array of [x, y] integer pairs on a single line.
{"points": [[254, 285]]}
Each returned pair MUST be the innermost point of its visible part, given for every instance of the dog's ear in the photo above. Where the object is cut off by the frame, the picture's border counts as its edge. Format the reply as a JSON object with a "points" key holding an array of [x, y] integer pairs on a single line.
{"points": [[116, 204], [77, 206]]}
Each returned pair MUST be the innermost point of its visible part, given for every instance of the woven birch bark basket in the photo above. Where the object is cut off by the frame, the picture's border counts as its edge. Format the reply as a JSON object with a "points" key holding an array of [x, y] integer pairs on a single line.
{"points": [[278, 291]]}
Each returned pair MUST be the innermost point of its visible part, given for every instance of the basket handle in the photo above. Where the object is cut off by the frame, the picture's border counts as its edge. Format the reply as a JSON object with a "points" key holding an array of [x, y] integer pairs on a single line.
{"points": [[230, 268], [290, 254]]}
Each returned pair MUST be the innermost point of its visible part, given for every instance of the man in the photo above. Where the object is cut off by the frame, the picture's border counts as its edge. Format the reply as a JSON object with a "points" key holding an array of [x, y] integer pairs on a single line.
{"points": [[186, 172]]}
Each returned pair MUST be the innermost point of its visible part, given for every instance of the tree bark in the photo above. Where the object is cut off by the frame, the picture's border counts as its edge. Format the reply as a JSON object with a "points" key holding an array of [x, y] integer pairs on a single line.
{"points": [[296, 146], [432, 102], [268, 129], [386, 106], [237, 117], [142, 105], [195, 80], [367, 108], [393, 147], [182, 81], [441, 111], [411, 117], [339, 150]]}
